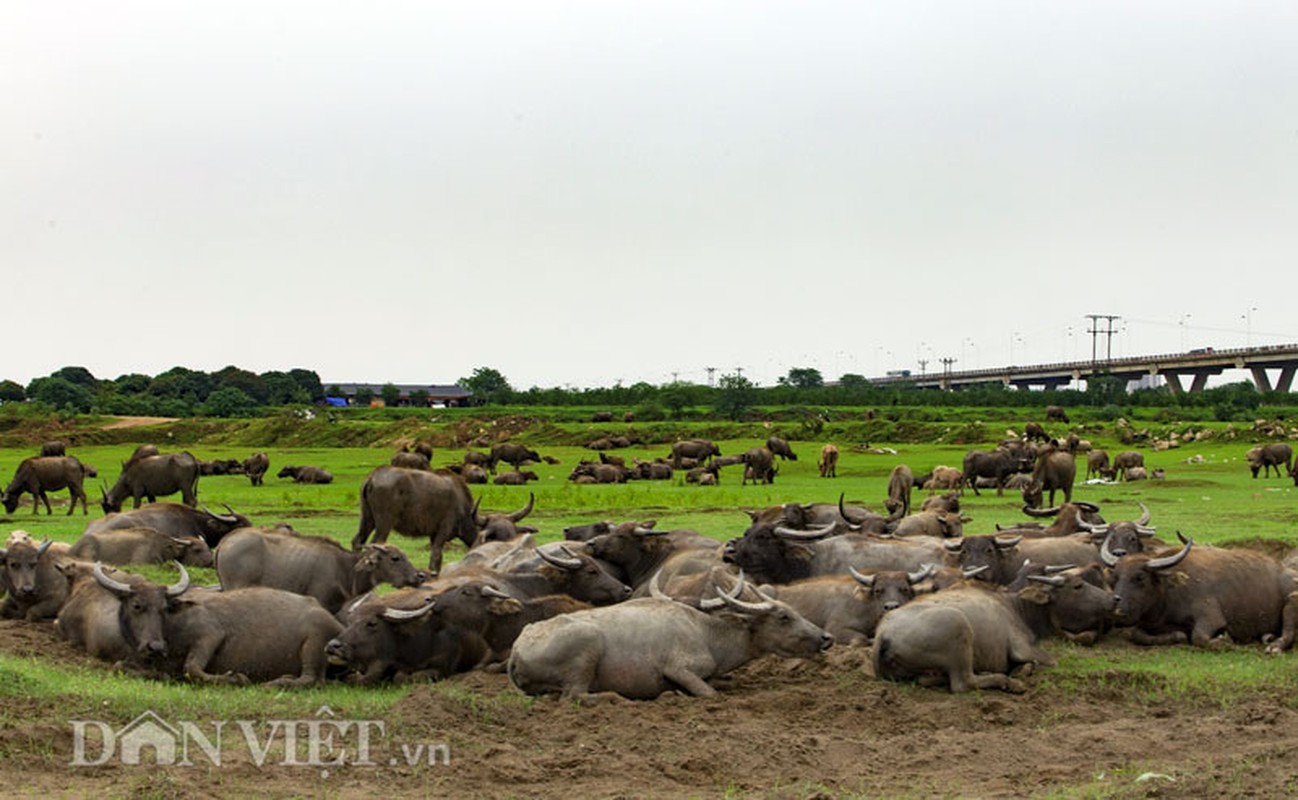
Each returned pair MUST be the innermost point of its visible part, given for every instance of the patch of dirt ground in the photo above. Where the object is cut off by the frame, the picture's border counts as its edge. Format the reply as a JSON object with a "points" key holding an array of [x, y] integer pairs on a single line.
{"points": [[780, 728], [135, 422]]}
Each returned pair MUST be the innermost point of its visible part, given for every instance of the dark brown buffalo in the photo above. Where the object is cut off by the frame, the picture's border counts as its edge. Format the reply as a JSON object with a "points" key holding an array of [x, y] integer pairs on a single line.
{"points": [[497, 527], [252, 635], [777, 554], [562, 570], [151, 477], [602, 416], [315, 566], [584, 533], [590, 472], [35, 589], [46, 474], [255, 467], [1033, 432], [759, 466], [220, 466], [513, 454], [900, 483], [641, 648], [1123, 537], [849, 607], [54, 448], [517, 478], [1056, 414], [698, 449], [89, 618], [476, 458], [306, 474], [617, 461], [1126, 460], [1266, 457], [174, 519], [1097, 464], [1055, 470], [1195, 594], [409, 460], [397, 636], [781, 448], [655, 471], [141, 546], [1069, 518], [143, 451], [999, 464], [633, 552], [828, 461], [1002, 557], [436, 505]]}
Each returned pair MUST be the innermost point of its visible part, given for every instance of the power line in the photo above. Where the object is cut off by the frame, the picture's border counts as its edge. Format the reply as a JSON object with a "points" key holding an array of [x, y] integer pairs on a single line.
{"points": [[1095, 333]]}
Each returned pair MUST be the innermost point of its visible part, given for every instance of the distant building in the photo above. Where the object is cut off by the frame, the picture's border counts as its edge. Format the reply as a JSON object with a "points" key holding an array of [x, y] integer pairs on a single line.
{"points": [[445, 396]]}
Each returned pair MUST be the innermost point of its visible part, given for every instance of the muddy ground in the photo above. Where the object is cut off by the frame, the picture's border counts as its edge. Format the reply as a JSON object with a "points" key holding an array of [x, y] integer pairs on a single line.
{"points": [[780, 728]]}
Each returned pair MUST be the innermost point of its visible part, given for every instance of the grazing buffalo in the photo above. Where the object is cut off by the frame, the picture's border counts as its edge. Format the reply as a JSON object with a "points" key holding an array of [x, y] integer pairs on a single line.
{"points": [[1194, 594], [697, 449], [513, 454], [416, 503], [828, 461], [1266, 457], [1126, 460], [900, 483], [141, 546], [642, 648], [965, 637], [255, 467], [54, 448], [310, 565], [849, 607], [46, 474], [409, 460], [174, 519], [999, 464], [151, 477], [1097, 464], [306, 474], [759, 466], [35, 588], [1055, 469], [1056, 414], [781, 448], [1033, 432], [251, 635], [944, 479], [398, 636]]}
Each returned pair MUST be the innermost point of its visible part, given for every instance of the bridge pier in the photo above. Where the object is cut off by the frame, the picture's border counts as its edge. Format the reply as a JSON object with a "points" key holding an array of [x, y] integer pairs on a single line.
{"points": [[1173, 382]]}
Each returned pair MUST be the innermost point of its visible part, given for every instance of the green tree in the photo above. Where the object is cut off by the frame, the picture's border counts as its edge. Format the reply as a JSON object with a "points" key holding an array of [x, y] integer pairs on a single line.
{"points": [[334, 390], [735, 395], [60, 394], [803, 378], [78, 375], [488, 386], [132, 383], [418, 397], [11, 392], [228, 402], [390, 393], [310, 383], [282, 390], [853, 381], [191, 386], [249, 383], [364, 395]]}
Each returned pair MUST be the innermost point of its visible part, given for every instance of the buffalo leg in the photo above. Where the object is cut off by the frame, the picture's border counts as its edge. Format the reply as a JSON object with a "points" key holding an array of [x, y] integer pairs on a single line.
{"points": [[200, 655], [689, 682], [1288, 624]]}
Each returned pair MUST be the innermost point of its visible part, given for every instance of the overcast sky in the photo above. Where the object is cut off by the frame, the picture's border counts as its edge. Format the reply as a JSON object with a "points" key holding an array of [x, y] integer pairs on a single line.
{"points": [[586, 192]]}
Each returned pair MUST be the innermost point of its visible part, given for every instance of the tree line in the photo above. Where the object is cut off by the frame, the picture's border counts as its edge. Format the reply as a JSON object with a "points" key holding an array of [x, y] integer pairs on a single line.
{"points": [[235, 392]]}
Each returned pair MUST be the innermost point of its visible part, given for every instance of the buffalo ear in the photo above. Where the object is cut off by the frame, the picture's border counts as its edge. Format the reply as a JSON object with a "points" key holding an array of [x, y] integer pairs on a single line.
{"points": [[1035, 594], [801, 552], [504, 606]]}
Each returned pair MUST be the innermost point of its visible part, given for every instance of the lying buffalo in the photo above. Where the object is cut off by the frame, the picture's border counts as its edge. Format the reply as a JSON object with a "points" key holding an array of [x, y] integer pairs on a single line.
{"points": [[35, 588], [642, 648], [849, 607], [174, 519], [46, 474], [416, 503], [89, 618], [141, 546], [310, 565], [251, 635], [1194, 594], [154, 476], [306, 474]]}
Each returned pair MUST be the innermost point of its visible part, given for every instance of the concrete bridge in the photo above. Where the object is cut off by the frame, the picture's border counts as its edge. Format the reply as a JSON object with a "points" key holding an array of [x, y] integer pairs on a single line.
{"points": [[1195, 366]]}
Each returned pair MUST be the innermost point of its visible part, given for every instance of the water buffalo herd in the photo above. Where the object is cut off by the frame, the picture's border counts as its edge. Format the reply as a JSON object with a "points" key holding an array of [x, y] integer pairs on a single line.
{"points": [[628, 608]]}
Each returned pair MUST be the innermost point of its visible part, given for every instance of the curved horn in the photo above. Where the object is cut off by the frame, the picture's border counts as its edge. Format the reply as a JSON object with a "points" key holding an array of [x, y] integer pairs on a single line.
{"points": [[732, 599], [1040, 512], [655, 587], [1144, 516], [518, 515], [45, 545], [406, 614], [478, 519], [556, 561], [924, 573], [971, 572], [355, 604], [117, 587], [1051, 569], [1090, 527], [1049, 580], [1145, 532], [953, 545], [1085, 505], [490, 591], [178, 588], [1006, 544], [864, 580], [1106, 555], [641, 530], [807, 535], [1175, 558]]}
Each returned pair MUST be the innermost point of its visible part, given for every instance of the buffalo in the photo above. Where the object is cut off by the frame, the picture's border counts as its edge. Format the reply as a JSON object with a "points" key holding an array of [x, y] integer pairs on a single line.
{"points": [[698, 449], [46, 473], [255, 467], [1194, 594], [498, 527], [513, 454], [141, 546], [54, 448], [781, 448], [516, 478], [409, 460], [776, 554], [759, 466], [828, 461], [1055, 469], [89, 618], [1126, 460], [310, 565], [150, 477], [1056, 414], [642, 648], [30, 577], [849, 607], [174, 519], [999, 464], [1266, 457], [1002, 557], [1097, 463], [900, 483], [416, 503], [306, 474]]}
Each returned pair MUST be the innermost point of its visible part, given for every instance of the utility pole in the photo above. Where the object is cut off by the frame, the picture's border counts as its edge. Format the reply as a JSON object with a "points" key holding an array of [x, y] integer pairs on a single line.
{"points": [[1108, 331], [712, 372], [923, 366]]}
